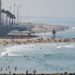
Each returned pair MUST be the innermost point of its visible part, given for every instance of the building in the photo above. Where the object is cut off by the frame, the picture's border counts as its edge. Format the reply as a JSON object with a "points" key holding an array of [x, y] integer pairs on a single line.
{"points": [[0, 12]]}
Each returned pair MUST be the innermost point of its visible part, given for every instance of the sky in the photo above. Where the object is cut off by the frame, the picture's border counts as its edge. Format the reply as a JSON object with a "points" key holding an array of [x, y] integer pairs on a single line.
{"points": [[44, 8]]}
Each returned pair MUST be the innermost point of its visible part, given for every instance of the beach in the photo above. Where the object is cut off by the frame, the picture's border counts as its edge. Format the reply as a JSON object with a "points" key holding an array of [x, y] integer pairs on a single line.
{"points": [[46, 58], [44, 54], [34, 41], [37, 37]]}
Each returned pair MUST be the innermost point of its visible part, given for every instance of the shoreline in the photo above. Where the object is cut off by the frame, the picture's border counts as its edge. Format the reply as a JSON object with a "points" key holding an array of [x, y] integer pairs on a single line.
{"points": [[35, 41]]}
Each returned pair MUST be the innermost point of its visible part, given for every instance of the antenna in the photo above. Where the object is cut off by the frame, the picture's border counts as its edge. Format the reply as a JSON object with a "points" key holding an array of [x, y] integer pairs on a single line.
{"points": [[20, 14], [14, 13]]}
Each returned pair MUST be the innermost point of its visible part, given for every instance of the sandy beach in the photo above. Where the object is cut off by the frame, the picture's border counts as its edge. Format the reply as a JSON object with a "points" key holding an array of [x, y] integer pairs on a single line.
{"points": [[34, 40]]}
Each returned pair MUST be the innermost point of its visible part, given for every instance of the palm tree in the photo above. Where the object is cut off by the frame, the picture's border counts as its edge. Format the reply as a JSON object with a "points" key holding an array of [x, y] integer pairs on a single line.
{"points": [[3, 12], [7, 16], [12, 16]]}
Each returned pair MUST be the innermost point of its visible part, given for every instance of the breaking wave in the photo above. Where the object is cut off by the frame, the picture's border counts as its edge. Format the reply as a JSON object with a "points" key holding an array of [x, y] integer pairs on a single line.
{"points": [[66, 46], [31, 49]]}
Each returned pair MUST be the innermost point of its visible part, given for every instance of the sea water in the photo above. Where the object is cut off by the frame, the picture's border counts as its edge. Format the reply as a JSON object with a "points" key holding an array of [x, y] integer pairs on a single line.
{"points": [[54, 21], [44, 58]]}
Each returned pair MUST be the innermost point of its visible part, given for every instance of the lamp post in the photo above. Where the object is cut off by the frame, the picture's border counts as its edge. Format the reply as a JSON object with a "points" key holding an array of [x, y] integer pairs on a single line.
{"points": [[9, 18], [20, 14], [17, 14], [14, 13]]}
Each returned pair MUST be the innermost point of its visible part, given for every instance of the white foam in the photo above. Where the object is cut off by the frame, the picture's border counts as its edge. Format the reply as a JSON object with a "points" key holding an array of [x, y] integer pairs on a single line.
{"points": [[18, 50], [3, 53], [6, 53], [66, 46], [25, 49]]}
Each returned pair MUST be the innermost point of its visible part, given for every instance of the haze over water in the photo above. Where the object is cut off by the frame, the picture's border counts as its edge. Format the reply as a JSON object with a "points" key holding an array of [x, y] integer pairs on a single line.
{"points": [[55, 21]]}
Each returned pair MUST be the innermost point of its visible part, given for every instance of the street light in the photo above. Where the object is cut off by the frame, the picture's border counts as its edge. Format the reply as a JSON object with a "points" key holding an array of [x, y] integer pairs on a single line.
{"points": [[17, 14], [14, 13]]}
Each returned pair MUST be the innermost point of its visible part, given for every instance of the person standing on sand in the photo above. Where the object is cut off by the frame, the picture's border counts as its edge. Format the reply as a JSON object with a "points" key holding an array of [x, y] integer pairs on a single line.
{"points": [[27, 72], [34, 72]]}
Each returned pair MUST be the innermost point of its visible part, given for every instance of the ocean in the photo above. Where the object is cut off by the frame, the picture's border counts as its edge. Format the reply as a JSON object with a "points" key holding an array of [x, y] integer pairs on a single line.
{"points": [[44, 58], [53, 21]]}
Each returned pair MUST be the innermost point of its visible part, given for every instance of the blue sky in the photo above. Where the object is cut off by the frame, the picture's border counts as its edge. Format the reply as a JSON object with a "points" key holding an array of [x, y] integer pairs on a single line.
{"points": [[45, 8]]}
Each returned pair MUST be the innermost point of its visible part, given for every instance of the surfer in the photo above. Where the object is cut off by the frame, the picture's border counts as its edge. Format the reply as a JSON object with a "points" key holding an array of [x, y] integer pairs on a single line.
{"points": [[4, 54]]}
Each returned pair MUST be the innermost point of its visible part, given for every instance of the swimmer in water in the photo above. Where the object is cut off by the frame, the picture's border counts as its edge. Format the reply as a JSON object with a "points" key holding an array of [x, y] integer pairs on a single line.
{"points": [[40, 48], [7, 54]]}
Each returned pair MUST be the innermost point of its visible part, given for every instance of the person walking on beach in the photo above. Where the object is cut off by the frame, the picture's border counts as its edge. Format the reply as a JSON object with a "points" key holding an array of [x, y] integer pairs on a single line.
{"points": [[34, 72], [27, 72]]}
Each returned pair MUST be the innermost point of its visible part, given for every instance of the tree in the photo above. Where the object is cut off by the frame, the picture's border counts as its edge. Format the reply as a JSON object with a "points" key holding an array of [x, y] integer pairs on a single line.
{"points": [[12, 16], [7, 15]]}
